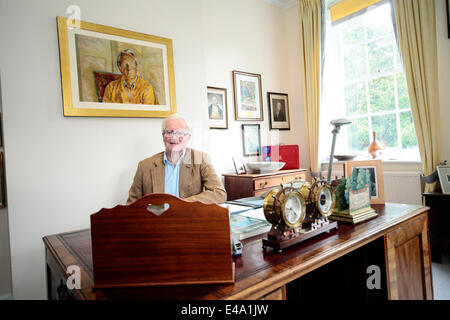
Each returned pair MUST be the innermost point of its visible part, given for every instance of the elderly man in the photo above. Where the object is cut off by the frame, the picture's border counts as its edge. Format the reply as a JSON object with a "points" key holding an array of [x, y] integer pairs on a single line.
{"points": [[130, 88], [180, 171]]}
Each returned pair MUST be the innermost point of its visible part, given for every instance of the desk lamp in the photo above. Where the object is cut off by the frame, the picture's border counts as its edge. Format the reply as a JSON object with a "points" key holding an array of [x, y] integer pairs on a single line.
{"points": [[337, 123]]}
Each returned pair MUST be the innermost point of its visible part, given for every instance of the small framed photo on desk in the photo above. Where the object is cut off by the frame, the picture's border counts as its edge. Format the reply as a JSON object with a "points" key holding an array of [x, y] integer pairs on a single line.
{"points": [[375, 168], [444, 178], [239, 165]]}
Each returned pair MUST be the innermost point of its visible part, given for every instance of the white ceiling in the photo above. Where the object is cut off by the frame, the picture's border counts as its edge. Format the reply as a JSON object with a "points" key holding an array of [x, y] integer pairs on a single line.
{"points": [[284, 4]]}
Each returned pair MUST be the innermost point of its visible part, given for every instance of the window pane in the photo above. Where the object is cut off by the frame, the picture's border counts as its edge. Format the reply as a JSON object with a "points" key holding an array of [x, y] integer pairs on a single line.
{"points": [[353, 31], [382, 94], [403, 98], [409, 138], [379, 22], [358, 134], [381, 57], [355, 63], [386, 129], [355, 99]]}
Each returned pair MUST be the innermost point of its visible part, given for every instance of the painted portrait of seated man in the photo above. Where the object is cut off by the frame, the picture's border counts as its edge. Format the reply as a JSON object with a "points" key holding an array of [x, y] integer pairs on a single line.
{"points": [[130, 88], [215, 110]]}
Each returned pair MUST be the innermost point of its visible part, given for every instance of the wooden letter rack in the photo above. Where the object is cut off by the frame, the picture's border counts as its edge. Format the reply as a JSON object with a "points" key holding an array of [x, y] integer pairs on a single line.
{"points": [[140, 244]]}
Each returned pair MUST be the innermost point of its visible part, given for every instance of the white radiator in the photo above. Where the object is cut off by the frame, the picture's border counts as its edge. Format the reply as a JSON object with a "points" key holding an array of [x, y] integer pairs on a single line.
{"points": [[403, 187]]}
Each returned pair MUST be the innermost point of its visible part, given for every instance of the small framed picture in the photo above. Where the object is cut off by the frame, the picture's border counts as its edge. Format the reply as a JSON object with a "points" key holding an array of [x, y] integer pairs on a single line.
{"points": [[444, 178], [247, 96], [278, 110], [217, 108], [375, 168], [251, 139], [239, 165]]}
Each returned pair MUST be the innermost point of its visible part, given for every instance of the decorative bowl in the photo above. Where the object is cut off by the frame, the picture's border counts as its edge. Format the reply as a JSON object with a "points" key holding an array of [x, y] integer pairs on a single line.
{"points": [[344, 157], [264, 166]]}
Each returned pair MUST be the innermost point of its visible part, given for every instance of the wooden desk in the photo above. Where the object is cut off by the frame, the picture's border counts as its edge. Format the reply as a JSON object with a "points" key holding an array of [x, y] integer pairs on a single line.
{"points": [[439, 223], [396, 241], [254, 184]]}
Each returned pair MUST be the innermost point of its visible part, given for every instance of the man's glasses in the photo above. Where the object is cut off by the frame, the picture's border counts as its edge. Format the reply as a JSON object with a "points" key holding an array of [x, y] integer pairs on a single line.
{"points": [[176, 134]]}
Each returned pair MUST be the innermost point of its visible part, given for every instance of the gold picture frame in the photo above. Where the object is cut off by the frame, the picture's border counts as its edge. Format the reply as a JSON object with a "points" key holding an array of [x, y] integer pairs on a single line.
{"points": [[375, 168], [90, 58]]}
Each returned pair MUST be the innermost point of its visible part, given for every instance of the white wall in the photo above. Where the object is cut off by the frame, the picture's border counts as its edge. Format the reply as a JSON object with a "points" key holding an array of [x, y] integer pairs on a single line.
{"points": [[253, 36]]}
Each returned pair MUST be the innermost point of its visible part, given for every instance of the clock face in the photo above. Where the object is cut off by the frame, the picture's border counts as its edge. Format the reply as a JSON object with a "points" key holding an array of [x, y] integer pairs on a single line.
{"points": [[325, 200], [293, 209]]}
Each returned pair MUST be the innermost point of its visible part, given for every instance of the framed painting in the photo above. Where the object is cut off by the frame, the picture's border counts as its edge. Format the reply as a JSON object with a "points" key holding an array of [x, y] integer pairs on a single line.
{"points": [[247, 96], [217, 108], [444, 178], [375, 168], [110, 72], [278, 110], [251, 139]]}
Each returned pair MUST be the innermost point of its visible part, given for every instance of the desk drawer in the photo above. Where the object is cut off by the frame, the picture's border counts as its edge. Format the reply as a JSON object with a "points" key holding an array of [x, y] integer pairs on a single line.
{"points": [[276, 181]]}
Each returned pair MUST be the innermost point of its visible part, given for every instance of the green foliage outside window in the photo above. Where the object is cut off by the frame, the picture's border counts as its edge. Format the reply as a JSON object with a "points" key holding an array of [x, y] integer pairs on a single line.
{"points": [[375, 89]]}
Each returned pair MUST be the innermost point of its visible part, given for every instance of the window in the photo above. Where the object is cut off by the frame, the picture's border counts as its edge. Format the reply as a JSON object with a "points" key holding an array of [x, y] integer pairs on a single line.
{"points": [[364, 81]]}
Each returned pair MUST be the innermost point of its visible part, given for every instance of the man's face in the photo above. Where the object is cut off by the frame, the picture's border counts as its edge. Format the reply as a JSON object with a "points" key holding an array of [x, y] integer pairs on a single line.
{"points": [[278, 106], [174, 143], [128, 66]]}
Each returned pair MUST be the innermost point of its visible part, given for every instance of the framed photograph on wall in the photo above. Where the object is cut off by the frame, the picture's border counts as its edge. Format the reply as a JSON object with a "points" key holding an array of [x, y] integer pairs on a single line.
{"points": [[239, 165], [375, 168], [444, 178], [278, 110], [251, 139], [217, 108], [110, 72], [247, 96]]}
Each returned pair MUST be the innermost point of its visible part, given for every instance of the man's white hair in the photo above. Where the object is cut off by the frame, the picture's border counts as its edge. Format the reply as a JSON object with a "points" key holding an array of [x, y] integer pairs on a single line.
{"points": [[174, 116]]}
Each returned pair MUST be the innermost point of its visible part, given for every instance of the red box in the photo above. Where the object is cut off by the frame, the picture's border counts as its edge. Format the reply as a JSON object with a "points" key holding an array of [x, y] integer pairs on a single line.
{"points": [[284, 153]]}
